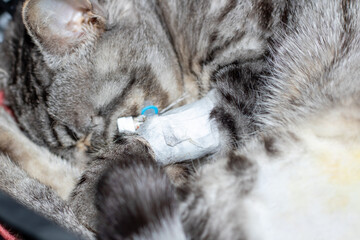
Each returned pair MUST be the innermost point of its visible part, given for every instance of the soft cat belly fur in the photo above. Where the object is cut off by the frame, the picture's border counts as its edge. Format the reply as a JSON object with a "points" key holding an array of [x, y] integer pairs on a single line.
{"points": [[312, 190]]}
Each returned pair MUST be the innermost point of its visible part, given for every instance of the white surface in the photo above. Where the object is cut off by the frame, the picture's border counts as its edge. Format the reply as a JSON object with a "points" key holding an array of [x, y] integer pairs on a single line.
{"points": [[126, 124]]}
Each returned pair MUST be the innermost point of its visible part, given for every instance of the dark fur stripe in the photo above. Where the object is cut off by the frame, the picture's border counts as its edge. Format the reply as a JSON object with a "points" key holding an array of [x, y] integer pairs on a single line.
{"points": [[118, 100], [226, 121], [285, 14], [228, 8], [265, 8], [348, 34], [217, 50], [245, 171], [238, 164], [270, 147]]}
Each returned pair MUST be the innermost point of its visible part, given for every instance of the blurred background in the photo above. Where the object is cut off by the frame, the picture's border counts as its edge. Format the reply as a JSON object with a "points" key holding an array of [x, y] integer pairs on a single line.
{"points": [[7, 9]]}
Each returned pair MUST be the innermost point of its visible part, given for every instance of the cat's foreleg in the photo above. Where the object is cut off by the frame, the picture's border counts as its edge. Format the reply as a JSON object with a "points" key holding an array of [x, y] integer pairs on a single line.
{"points": [[184, 133], [219, 122], [37, 161]]}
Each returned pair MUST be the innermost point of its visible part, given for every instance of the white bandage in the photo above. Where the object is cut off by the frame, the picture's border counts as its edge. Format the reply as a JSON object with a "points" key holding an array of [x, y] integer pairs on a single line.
{"points": [[126, 124], [184, 133]]}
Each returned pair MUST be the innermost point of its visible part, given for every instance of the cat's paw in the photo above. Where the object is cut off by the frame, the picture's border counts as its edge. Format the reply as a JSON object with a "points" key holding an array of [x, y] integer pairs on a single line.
{"points": [[126, 144], [124, 151]]}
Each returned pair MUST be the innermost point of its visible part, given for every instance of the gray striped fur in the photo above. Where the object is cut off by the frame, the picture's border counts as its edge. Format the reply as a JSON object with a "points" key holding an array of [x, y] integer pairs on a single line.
{"points": [[286, 74]]}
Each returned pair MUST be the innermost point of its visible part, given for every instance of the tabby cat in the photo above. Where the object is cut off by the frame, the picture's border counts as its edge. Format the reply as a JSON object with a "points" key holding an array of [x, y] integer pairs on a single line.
{"points": [[285, 79]]}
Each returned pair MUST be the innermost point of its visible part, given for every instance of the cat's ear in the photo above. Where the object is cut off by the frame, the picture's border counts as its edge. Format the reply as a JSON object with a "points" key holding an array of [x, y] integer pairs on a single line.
{"points": [[61, 26]]}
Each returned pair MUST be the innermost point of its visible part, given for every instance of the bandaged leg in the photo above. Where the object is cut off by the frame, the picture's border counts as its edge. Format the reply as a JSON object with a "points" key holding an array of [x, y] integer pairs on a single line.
{"points": [[184, 133]]}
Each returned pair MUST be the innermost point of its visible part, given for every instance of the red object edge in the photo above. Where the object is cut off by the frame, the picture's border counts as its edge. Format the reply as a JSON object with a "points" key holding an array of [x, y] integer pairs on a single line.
{"points": [[6, 234], [2, 103]]}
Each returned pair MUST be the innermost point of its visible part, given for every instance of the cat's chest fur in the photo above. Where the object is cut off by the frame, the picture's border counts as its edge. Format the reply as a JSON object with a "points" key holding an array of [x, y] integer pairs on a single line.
{"points": [[312, 184]]}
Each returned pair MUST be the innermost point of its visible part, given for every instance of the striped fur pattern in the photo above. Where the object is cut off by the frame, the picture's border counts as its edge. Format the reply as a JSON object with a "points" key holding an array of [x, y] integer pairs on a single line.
{"points": [[287, 80]]}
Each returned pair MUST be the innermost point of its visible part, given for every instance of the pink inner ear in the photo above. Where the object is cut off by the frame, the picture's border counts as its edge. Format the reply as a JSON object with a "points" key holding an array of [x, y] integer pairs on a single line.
{"points": [[63, 17], [75, 23]]}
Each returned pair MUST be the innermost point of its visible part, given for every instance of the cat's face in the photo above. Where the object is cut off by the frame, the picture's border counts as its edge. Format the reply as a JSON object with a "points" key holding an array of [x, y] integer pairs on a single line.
{"points": [[104, 66]]}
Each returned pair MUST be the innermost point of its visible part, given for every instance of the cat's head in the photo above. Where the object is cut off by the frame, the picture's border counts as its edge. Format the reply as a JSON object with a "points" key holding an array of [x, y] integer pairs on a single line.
{"points": [[105, 59]]}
